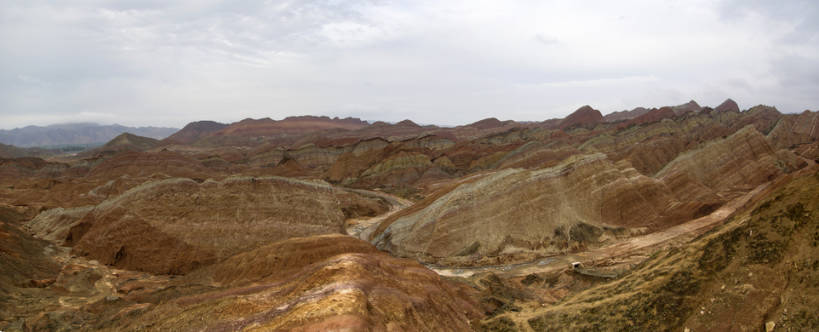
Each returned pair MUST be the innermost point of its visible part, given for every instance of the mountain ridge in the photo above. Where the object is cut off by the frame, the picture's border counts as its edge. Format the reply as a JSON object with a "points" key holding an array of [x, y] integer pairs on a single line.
{"points": [[75, 133]]}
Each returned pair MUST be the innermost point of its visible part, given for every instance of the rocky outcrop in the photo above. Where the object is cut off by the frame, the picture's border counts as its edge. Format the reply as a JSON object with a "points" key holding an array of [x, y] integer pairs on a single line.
{"points": [[318, 283], [689, 107], [55, 224], [444, 164], [313, 156], [263, 252], [24, 260], [147, 164], [18, 168], [402, 167], [654, 144], [407, 123], [795, 129], [431, 142], [799, 133], [585, 117], [290, 125], [176, 225], [194, 131], [368, 145], [513, 215], [519, 214], [625, 115], [652, 116], [131, 141], [727, 106], [125, 142], [487, 123], [739, 162], [756, 269]]}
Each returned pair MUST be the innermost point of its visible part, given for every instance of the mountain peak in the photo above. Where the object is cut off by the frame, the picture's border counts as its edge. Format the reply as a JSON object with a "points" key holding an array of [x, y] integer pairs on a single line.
{"points": [[727, 106], [407, 123], [585, 116], [486, 123], [690, 106]]}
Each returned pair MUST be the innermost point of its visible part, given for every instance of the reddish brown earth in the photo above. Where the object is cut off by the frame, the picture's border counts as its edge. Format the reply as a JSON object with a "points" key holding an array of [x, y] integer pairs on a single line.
{"points": [[194, 131], [653, 115], [123, 143], [625, 115], [756, 270], [241, 226], [318, 283], [295, 124], [10, 151], [173, 226], [729, 105], [585, 117], [690, 106], [306, 284], [488, 123]]}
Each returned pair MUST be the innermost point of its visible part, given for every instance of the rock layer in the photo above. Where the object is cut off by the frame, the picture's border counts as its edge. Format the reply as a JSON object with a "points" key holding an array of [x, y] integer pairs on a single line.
{"points": [[529, 212], [758, 268], [175, 225], [737, 163], [330, 282], [515, 215]]}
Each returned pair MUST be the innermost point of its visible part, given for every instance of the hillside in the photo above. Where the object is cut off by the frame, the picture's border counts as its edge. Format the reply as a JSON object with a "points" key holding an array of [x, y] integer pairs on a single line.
{"points": [[75, 133], [756, 272], [655, 219]]}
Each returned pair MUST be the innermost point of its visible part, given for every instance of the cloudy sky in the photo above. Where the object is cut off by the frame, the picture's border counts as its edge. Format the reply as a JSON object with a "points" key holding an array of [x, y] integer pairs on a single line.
{"points": [[446, 62]]}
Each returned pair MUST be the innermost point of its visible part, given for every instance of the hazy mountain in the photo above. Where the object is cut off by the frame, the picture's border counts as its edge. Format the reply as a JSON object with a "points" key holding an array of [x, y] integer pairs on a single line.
{"points": [[76, 133]]}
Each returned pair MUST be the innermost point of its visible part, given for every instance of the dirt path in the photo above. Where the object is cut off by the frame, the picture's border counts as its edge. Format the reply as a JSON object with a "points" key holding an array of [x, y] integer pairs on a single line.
{"points": [[685, 231], [362, 227]]}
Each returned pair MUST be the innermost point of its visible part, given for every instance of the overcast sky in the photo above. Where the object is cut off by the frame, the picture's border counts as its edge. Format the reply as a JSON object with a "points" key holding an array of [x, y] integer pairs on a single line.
{"points": [[445, 62]]}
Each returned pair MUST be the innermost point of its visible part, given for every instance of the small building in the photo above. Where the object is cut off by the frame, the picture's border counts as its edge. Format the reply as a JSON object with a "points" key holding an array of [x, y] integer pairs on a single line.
{"points": [[575, 265]]}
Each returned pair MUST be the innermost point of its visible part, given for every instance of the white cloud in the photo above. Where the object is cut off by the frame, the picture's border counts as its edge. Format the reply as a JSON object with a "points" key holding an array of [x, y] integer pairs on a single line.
{"points": [[450, 62]]}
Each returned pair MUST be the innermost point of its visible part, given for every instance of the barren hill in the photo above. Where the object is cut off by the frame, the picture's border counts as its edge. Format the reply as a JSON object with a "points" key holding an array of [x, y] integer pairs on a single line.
{"points": [[581, 223], [193, 132], [176, 225], [756, 271]]}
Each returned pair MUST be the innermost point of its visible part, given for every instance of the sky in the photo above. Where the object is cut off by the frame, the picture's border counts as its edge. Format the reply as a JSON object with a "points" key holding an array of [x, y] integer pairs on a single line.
{"points": [[167, 63]]}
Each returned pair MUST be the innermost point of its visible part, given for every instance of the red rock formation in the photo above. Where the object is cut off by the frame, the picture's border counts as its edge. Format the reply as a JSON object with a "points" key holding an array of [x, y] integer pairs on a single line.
{"points": [[688, 107], [625, 115], [727, 106], [24, 260], [125, 142], [585, 117], [488, 193], [146, 164], [487, 123], [652, 116], [516, 215], [318, 283], [407, 123], [719, 169], [193, 132], [176, 225], [290, 125]]}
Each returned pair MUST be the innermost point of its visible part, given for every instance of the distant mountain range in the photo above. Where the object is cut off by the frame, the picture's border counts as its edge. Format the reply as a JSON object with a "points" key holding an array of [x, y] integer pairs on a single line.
{"points": [[75, 133]]}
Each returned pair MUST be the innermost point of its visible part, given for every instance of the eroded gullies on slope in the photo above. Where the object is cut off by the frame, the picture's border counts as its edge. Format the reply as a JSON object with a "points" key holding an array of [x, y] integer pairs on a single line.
{"points": [[759, 267], [197, 231]]}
